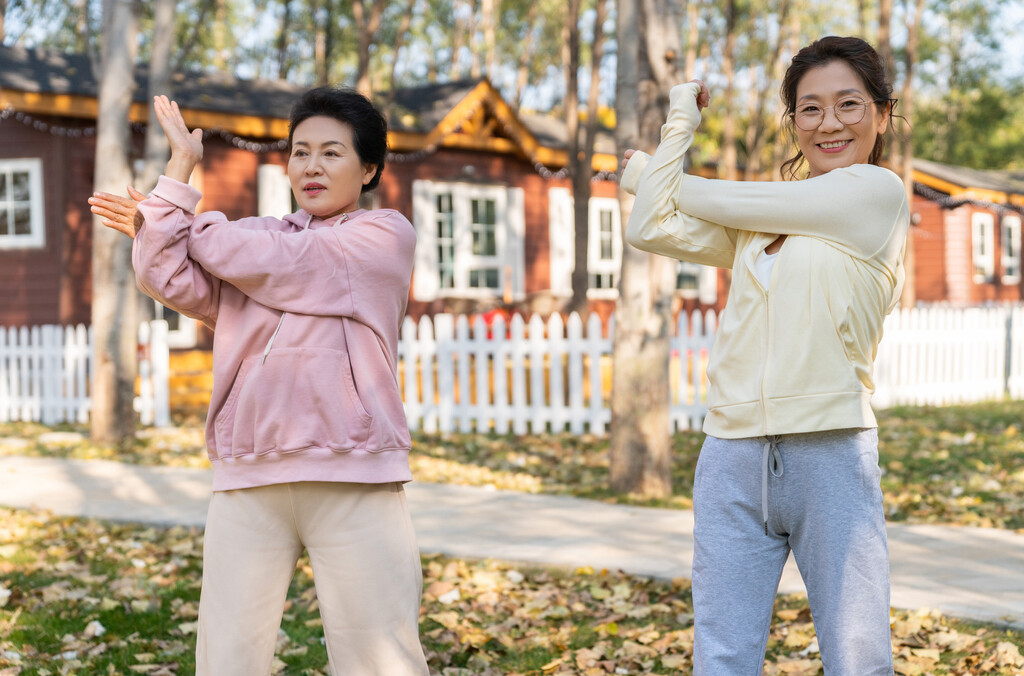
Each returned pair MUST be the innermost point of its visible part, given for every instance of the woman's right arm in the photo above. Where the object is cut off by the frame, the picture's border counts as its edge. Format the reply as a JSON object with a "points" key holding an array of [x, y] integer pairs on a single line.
{"points": [[163, 269], [656, 224]]}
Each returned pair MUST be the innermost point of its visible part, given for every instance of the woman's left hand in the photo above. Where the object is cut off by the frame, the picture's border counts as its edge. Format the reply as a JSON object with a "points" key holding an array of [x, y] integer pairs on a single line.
{"points": [[120, 213]]}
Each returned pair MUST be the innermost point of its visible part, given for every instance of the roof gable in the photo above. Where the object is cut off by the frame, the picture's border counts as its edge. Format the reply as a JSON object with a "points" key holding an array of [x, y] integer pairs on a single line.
{"points": [[469, 114]]}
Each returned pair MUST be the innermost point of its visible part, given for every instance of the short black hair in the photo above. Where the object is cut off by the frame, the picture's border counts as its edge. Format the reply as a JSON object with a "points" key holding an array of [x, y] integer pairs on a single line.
{"points": [[369, 128]]}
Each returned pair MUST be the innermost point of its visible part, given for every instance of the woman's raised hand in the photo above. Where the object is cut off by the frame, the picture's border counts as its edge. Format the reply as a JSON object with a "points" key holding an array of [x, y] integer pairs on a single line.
{"points": [[120, 213], [186, 146], [703, 96]]}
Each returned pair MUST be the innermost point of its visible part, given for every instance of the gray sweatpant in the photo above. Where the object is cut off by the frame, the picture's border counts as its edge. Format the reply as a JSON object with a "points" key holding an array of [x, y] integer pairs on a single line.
{"points": [[754, 500]]}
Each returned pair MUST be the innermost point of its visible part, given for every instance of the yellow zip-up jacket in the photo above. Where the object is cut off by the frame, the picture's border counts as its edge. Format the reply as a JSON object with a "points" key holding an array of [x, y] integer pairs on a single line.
{"points": [[796, 356]]}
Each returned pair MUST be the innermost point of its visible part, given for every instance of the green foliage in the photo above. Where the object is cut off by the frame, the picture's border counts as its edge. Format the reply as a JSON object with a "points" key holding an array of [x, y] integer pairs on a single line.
{"points": [[979, 126]]}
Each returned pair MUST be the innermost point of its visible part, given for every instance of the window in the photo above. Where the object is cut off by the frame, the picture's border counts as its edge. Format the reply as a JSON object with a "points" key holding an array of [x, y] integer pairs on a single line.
{"points": [[983, 241], [688, 279], [697, 281], [1009, 238], [181, 330], [273, 191], [604, 244], [469, 240], [21, 204], [604, 255]]}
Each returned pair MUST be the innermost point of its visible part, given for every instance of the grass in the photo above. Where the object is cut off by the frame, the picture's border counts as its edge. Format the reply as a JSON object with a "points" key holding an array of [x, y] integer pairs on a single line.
{"points": [[956, 465], [90, 597]]}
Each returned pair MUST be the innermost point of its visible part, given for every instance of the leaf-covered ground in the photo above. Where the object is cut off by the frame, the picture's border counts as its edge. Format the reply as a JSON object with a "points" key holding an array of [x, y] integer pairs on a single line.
{"points": [[958, 464], [89, 597]]}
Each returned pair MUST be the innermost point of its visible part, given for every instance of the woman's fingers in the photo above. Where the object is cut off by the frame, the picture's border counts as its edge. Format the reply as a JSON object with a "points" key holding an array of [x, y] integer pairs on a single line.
{"points": [[626, 155], [120, 213], [703, 96]]}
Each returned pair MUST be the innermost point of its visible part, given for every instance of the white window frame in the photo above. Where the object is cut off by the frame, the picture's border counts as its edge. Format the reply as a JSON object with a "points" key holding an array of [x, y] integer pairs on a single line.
{"points": [[273, 191], [1009, 241], [509, 226], [186, 335], [706, 292], [596, 265], [983, 247], [36, 237]]}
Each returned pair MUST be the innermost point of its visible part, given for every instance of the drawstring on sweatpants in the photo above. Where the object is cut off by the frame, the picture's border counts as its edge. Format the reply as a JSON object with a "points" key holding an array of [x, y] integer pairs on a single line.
{"points": [[771, 461]]}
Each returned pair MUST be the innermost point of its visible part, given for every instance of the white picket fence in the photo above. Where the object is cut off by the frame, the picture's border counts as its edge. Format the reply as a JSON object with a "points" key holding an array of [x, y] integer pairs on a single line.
{"points": [[549, 376], [939, 356], [537, 376], [45, 374], [532, 377]]}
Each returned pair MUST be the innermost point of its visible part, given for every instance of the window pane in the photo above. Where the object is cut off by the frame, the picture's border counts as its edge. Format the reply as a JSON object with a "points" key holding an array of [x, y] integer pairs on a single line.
{"points": [[22, 221], [688, 277], [607, 250], [483, 227], [3, 222], [445, 240], [20, 184], [485, 278], [3, 186], [602, 280], [173, 319]]}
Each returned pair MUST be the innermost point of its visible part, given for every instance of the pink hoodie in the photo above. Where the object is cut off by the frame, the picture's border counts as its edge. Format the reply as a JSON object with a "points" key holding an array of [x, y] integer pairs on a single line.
{"points": [[305, 349]]}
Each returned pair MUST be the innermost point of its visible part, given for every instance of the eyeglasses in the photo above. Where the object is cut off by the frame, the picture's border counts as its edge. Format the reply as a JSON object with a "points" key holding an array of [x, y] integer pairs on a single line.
{"points": [[848, 111]]}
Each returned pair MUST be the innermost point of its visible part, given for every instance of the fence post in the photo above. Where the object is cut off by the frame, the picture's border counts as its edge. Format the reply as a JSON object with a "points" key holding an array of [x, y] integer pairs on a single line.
{"points": [[160, 363]]}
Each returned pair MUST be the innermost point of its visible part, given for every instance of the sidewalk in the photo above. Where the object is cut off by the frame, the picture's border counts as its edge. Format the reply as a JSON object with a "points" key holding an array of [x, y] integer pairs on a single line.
{"points": [[964, 572]]}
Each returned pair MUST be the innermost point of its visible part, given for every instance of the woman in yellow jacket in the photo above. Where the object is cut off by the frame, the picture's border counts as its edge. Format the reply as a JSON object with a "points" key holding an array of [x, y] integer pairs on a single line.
{"points": [[791, 456]]}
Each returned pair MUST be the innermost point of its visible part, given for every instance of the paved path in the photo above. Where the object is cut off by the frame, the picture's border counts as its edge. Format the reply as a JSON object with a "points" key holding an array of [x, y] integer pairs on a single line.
{"points": [[967, 572]]}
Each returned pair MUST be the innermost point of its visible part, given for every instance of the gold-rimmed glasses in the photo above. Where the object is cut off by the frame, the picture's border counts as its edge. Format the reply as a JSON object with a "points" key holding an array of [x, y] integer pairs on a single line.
{"points": [[809, 116]]}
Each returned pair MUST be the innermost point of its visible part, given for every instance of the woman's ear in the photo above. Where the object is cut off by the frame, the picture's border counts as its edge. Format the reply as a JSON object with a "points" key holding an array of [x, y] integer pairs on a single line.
{"points": [[369, 171], [887, 110]]}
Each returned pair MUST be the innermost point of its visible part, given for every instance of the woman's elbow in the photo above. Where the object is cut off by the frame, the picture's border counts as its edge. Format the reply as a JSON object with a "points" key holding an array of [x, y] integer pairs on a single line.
{"points": [[638, 236]]}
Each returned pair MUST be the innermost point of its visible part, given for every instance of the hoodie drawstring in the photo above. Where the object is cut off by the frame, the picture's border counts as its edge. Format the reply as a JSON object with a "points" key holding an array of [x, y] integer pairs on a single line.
{"points": [[771, 461]]}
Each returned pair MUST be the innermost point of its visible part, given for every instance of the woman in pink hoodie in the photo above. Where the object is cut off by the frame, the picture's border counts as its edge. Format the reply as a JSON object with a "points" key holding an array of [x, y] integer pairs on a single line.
{"points": [[306, 429]]}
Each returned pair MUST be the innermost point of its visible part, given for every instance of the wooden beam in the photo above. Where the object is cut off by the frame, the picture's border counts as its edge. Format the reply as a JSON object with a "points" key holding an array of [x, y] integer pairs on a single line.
{"points": [[472, 108]]}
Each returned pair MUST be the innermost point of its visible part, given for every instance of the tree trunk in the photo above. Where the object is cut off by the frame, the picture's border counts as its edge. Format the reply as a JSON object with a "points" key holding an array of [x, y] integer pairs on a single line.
{"points": [[282, 41], [781, 146], [692, 37], [403, 29], [729, 72], [367, 26], [640, 445], [475, 64], [489, 18], [522, 67], [157, 149], [885, 37], [459, 31], [581, 194], [909, 296], [114, 299], [320, 46]]}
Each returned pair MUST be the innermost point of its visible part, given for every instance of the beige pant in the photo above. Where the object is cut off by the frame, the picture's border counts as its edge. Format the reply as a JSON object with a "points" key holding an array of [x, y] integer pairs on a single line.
{"points": [[366, 568]]}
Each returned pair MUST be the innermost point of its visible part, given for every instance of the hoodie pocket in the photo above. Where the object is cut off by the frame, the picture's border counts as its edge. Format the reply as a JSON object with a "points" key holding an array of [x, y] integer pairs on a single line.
{"points": [[224, 424], [300, 398]]}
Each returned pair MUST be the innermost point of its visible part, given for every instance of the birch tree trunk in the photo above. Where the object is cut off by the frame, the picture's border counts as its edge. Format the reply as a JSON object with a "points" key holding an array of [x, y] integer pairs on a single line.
{"points": [[640, 449], [114, 298]]}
